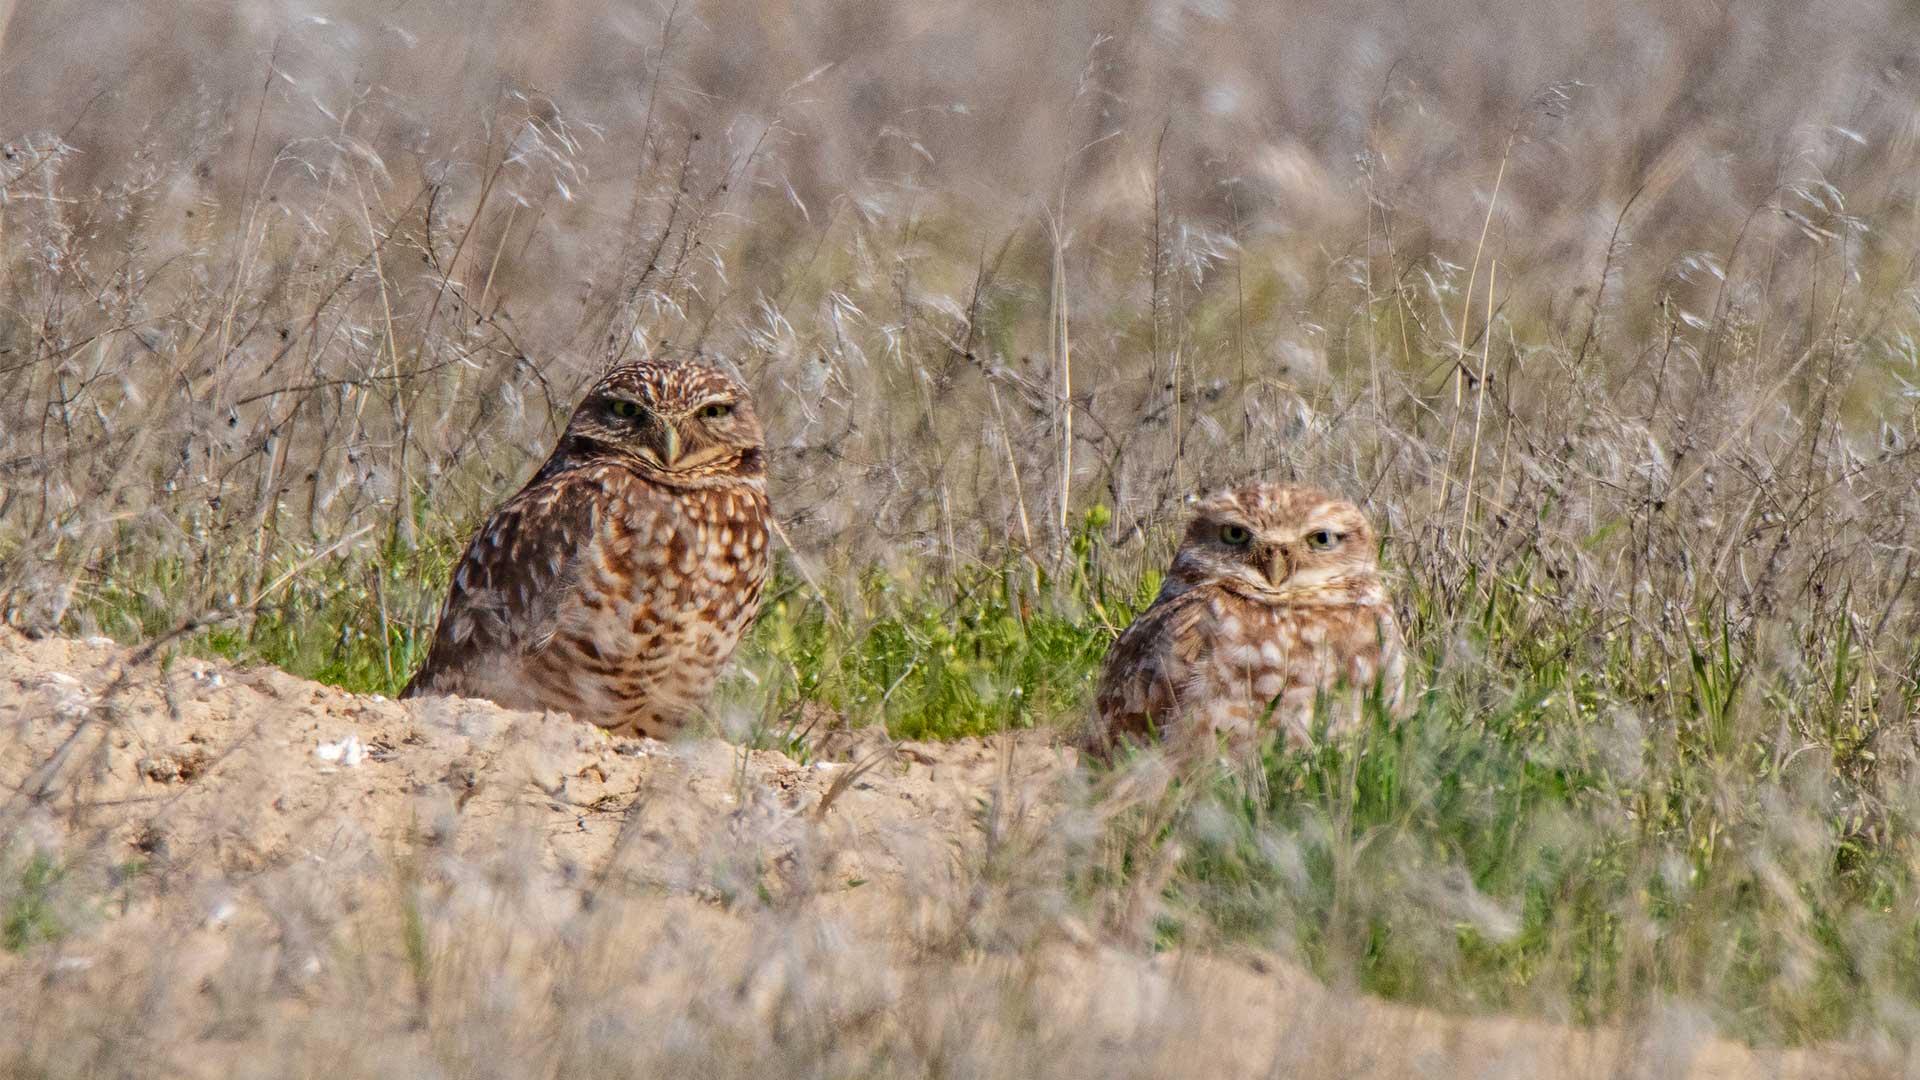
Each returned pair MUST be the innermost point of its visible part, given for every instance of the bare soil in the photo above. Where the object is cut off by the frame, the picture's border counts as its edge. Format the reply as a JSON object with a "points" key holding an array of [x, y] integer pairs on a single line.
{"points": [[260, 875]]}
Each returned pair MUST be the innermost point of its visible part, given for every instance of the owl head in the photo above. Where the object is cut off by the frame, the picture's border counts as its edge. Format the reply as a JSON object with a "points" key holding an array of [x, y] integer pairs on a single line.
{"points": [[1279, 544], [684, 425]]}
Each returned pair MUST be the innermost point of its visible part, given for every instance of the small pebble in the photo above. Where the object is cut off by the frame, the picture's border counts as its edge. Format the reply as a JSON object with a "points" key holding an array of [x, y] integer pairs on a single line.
{"points": [[348, 751]]}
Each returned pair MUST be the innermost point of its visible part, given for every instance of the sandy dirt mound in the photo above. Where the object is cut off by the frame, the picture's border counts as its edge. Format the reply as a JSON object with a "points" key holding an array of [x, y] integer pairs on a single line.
{"points": [[243, 873]]}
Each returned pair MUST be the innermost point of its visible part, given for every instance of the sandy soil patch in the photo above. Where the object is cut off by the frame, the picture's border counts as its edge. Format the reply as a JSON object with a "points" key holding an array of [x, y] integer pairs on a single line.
{"points": [[244, 873]]}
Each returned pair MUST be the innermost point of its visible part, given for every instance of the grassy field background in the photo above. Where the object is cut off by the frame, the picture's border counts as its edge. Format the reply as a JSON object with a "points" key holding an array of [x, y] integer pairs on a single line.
{"points": [[1606, 311]]}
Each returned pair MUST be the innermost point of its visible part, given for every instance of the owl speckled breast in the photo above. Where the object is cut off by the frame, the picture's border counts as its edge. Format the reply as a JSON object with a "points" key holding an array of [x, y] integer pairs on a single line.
{"points": [[1270, 665], [660, 610]]}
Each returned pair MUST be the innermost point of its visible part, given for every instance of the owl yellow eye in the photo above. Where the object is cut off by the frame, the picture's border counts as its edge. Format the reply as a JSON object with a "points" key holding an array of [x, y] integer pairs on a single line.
{"points": [[715, 411], [1237, 535], [1322, 539], [624, 409]]}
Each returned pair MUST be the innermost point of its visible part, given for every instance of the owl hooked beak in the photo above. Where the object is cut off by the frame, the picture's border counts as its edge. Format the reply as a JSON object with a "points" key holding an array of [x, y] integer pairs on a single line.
{"points": [[1279, 567], [669, 444]]}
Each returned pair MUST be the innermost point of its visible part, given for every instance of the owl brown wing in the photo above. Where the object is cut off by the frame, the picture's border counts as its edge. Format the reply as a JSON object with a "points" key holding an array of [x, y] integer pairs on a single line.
{"points": [[506, 592], [1147, 669]]}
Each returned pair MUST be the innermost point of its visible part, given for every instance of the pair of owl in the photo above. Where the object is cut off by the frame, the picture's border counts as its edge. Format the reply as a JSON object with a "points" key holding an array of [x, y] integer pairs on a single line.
{"points": [[616, 585]]}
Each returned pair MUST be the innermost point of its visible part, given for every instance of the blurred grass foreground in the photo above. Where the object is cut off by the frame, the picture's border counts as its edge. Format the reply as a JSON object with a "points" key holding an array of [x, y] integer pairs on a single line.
{"points": [[1606, 311]]}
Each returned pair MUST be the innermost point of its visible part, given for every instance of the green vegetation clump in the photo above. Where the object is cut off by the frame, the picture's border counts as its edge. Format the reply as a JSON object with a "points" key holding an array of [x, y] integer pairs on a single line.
{"points": [[30, 910]]}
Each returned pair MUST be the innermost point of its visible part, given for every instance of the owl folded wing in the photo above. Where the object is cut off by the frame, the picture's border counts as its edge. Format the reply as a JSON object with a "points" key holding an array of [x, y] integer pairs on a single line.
{"points": [[1148, 669], [509, 585]]}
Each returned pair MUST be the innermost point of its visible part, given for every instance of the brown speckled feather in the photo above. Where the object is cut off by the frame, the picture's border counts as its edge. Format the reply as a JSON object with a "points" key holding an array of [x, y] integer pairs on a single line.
{"points": [[1148, 667], [617, 583], [511, 580], [1273, 599]]}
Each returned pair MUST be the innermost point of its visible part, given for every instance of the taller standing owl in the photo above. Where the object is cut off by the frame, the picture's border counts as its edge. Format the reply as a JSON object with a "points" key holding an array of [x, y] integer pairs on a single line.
{"points": [[1274, 598], [617, 583]]}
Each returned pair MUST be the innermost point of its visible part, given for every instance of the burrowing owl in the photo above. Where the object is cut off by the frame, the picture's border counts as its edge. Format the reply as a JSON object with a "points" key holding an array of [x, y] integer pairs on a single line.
{"points": [[616, 584], [1274, 597]]}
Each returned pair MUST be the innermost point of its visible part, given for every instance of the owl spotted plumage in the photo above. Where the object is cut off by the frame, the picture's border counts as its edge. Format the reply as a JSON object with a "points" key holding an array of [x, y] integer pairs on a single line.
{"points": [[617, 583], [1274, 598]]}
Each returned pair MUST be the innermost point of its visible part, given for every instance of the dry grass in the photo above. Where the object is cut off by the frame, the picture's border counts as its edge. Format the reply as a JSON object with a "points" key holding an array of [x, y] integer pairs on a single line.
{"points": [[1606, 310]]}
